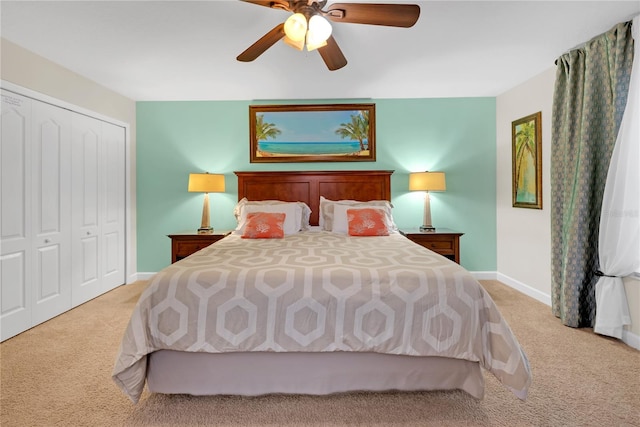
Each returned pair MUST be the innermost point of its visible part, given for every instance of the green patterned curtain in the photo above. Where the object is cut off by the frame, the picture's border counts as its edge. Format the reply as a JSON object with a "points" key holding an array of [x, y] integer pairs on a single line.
{"points": [[590, 95]]}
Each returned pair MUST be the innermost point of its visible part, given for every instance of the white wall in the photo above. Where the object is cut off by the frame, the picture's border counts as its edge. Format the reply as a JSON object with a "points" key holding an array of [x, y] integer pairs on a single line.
{"points": [[28, 70], [524, 235]]}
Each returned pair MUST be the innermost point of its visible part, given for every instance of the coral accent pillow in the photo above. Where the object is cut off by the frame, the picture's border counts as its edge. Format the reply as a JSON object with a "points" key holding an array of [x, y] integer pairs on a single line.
{"points": [[333, 213], [301, 214], [292, 210], [367, 222], [264, 225]]}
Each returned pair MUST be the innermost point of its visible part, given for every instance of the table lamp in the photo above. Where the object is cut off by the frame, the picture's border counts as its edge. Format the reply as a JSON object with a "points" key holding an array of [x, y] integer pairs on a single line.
{"points": [[206, 183], [427, 181]]}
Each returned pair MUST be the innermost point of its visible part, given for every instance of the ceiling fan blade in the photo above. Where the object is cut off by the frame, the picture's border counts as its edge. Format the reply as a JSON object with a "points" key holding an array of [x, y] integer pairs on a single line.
{"points": [[392, 15], [274, 4], [332, 55], [264, 43]]}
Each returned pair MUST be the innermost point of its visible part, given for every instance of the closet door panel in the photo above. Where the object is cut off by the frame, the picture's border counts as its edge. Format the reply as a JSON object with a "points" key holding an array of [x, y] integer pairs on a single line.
{"points": [[89, 175], [113, 140], [51, 143], [112, 259], [48, 285], [85, 203], [15, 316], [15, 215], [89, 260], [16, 168]]}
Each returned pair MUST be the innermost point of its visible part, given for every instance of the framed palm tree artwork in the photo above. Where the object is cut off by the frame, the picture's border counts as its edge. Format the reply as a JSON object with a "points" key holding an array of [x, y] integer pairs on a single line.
{"points": [[312, 133], [527, 161]]}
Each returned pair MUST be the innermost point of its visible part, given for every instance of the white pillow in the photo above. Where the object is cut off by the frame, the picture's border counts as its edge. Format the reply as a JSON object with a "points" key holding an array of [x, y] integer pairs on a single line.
{"points": [[341, 223], [292, 220], [306, 210], [327, 206], [324, 203]]}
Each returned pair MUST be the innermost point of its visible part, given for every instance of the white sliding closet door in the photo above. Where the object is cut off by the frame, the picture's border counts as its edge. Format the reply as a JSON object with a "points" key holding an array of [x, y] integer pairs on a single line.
{"points": [[62, 210], [86, 189], [15, 222], [36, 213], [113, 218], [98, 192], [51, 210]]}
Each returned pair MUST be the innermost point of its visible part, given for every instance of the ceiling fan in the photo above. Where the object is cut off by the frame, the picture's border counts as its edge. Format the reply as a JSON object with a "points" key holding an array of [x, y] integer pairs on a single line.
{"points": [[308, 25]]}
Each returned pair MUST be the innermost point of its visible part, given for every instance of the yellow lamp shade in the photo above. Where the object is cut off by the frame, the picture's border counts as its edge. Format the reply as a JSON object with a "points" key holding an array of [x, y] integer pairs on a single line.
{"points": [[206, 183], [427, 181]]}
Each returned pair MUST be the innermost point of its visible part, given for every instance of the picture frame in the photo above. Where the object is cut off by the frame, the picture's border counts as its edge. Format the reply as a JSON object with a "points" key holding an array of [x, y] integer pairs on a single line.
{"points": [[312, 133], [526, 149]]}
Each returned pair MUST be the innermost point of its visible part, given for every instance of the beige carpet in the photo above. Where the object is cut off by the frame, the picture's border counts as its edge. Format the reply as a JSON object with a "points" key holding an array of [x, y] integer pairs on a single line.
{"points": [[58, 373]]}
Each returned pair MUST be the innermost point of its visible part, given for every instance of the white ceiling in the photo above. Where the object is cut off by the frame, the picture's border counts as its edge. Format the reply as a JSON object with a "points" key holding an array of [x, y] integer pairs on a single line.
{"points": [[186, 50]]}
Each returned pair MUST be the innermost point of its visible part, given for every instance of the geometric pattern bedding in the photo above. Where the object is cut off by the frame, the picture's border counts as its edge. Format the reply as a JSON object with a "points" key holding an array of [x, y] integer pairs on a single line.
{"points": [[318, 291]]}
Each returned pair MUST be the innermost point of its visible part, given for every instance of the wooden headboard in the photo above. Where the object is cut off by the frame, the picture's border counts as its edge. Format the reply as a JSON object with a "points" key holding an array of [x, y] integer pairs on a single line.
{"points": [[308, 186]]}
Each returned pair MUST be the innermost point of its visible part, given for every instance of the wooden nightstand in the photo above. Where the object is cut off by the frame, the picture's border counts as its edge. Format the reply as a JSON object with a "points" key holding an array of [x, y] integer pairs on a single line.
{"points": [[443, 241], [184, 244]]}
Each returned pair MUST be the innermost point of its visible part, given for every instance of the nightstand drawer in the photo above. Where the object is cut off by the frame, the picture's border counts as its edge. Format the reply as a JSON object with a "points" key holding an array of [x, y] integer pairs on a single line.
{"points": [[184, 249], [185, 244], [443, 241], [435, 244]]}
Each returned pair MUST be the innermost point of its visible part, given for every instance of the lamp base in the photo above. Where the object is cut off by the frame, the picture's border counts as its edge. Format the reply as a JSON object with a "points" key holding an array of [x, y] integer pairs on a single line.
{"points": [[205, 230], [427, 229]]}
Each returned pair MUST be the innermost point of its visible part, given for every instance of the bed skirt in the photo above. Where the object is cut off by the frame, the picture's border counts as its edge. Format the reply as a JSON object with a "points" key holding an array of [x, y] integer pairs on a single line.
{"points": [[258, 373]]}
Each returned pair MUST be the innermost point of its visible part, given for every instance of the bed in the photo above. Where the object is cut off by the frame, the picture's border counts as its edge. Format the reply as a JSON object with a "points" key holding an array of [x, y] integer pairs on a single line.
{"points": [[317, 310]]}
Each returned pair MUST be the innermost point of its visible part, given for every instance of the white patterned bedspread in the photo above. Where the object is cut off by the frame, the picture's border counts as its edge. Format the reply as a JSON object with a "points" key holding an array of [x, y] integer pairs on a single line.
{"points": [[317, 292]]}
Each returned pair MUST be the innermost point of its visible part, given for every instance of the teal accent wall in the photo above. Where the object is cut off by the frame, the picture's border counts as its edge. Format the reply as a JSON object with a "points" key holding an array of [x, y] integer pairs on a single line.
{"points": [[454, 135]]}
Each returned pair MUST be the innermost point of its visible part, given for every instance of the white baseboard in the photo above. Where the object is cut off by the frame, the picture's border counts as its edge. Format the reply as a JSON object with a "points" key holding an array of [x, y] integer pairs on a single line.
{"points": [[525, 289], [146, 276], [512, 283], [140, 276], [629, 338], [484, 275]]}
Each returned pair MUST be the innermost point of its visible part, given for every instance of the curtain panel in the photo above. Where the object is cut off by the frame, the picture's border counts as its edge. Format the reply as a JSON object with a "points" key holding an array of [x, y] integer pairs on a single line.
{"points": [[619, 240], [589, 99]]}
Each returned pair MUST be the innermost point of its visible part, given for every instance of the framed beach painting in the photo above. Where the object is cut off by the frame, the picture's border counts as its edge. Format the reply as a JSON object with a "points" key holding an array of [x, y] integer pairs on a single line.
{"points": [[312, 133], [526, 149]]}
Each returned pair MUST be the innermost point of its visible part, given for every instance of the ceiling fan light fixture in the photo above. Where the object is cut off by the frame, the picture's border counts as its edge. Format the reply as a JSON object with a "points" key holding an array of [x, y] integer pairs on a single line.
{"points": [[319, 28], [297, 44], [295, 27], [318, 33], [314, 46]]}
